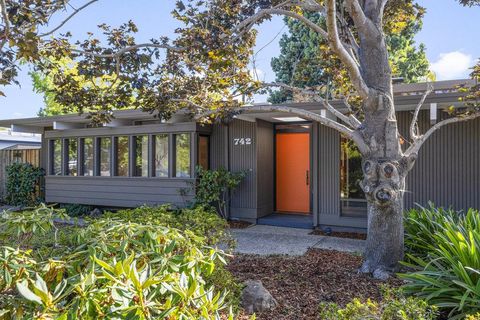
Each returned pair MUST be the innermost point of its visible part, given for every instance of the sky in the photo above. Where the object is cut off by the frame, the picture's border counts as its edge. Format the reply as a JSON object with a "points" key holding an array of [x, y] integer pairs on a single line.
{"points": [[449, 34]]}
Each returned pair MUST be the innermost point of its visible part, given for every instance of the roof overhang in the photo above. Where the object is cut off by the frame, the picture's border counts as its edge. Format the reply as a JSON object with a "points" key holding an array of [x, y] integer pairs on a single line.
{"points": [[406, 97]]}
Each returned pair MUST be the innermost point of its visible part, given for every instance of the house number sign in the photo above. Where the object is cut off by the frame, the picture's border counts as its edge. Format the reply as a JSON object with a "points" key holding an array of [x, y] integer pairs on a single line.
{"points": [[242, 141]]}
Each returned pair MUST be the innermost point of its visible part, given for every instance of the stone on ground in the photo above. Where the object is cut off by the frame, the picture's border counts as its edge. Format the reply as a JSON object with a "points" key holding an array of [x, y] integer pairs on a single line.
{"points": [[255, 298]]}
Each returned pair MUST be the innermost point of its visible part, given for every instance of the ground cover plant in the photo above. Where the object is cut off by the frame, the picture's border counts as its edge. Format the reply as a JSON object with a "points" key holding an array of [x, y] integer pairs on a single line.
{"points": [[111, 268], [444, 252]]}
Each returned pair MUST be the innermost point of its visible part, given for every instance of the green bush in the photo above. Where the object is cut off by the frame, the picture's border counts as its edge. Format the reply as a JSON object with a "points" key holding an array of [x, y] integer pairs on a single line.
{"points": [[444, 253], [202, 221], [110, 269], [23, 184], [213, 188], [76, 210], [394, 306]]}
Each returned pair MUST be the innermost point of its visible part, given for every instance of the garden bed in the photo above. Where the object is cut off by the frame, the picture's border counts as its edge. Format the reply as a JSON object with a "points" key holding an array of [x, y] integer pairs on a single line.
{"points": [[299, 284]]}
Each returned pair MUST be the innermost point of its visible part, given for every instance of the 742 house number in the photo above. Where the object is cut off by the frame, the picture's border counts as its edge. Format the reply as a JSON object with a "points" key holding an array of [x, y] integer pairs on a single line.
{"points": [[242, 141]]}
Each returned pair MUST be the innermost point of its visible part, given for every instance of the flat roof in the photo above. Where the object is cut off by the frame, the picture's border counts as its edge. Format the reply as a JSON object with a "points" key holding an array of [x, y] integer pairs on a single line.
{"points": [[406, 97]]}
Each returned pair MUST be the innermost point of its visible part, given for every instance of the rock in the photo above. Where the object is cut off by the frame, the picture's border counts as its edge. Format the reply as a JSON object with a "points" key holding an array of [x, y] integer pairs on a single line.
{"points": [[95, 213], [255, 298], [381, 274]]}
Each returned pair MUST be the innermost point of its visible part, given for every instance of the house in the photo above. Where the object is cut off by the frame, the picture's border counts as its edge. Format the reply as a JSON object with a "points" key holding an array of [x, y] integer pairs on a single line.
{"points": [[12, 141], [303, 171]]}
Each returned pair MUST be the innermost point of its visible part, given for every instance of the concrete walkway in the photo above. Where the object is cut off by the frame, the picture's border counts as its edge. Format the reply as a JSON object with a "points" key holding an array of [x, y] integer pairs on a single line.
{"points": [[270, 240]]}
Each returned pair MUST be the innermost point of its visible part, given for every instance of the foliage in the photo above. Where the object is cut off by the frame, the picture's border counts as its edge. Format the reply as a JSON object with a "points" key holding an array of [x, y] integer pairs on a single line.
{"points": [[444, 248], [200, 220], [76, 210], [394, 306], [110, 269], [302, 63], [213, 188], [23, 182]]}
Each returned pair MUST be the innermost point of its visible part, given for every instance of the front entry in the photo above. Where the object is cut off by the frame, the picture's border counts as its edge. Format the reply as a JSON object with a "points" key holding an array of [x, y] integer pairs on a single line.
{"points": [[293, 172]]}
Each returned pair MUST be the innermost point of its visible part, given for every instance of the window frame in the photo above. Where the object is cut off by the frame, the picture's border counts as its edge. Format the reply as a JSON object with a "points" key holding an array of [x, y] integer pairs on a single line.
{"points": [[192, 153]]}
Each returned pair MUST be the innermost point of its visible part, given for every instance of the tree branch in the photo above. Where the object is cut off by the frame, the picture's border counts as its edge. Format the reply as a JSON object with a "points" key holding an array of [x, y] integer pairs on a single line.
{"points": [[68, 18], [127, 49], [339, 49], [246, 24], [7, 24], [350, 120], [307, 115], [415, 147], [413, 124]]}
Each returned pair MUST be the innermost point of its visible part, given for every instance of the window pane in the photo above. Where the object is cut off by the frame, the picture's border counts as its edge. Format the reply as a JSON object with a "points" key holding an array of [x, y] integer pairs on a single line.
{"points": [[161, 155], [105, 145], [182, 155], [122, 157], [141, 156], [72, 157], [56, 157], [353, 202], [203, 151], [88, 156]]}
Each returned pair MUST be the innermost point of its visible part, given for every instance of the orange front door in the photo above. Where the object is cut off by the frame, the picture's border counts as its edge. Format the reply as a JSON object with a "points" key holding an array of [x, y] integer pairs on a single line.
{"points": [[293, 165]]}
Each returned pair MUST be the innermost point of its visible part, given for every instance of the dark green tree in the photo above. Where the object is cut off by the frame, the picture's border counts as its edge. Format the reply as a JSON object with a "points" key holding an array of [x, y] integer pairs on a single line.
{"points": [[302, 63]]}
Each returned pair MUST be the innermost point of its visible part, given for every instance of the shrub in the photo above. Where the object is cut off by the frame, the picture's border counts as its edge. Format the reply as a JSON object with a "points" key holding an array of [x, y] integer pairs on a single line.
{"points": [[444, 253], [75, 209], [202, 221], [111, 269], [394, 306], [214, 186], [23, 184]]}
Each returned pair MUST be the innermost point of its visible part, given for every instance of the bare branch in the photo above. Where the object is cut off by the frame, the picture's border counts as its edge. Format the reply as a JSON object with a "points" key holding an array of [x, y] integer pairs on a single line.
{"points": [[68, 18], [248, 23], [415, 147], [339, 49], [414, 123], [307, 115], [350, 120], [357, 14]]}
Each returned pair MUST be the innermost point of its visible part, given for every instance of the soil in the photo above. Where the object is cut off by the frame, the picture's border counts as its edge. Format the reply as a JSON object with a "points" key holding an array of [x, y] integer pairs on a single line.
{"points": [[300, 284], [238, 224], [350, 235]]}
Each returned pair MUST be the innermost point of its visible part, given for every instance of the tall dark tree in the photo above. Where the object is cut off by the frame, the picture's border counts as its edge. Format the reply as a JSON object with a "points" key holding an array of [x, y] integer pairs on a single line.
{"points": [[206, 68], [301, 62]]}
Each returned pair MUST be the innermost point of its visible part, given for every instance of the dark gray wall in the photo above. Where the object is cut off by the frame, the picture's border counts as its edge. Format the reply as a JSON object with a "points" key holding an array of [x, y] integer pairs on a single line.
{"points": [[243, 158], [265, 168], [219, 147], [447, 170], [117, 191]]}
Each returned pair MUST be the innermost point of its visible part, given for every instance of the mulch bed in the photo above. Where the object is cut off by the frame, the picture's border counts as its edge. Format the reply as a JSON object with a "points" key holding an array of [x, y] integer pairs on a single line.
{"points": [[238, 224], [350, 235], [299, 284]]}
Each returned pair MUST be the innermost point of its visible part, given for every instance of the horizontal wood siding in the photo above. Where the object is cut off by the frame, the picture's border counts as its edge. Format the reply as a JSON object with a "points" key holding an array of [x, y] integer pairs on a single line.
{"points": [[447, 171], [118, 191]]}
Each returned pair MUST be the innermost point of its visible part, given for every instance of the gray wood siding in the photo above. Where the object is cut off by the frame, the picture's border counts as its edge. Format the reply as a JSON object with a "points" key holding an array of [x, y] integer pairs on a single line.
{"points": [[219, 147], [117, 191], [243, 158], [265, 168], [447, 171]]}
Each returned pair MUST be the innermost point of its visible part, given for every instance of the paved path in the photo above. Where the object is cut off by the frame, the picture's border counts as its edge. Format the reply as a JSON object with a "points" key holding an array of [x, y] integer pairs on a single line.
{"points": [[270, 240]]}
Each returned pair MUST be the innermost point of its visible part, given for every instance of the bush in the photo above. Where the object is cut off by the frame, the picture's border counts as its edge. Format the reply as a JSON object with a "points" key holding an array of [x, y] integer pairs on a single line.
{"points": [[23, 184], [76, 210], [394, 306], [214, 186], [110, 269], [202, 221], [444, 252]]}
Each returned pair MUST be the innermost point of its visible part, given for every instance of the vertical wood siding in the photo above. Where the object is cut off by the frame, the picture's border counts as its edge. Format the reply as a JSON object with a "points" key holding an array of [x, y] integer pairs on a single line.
{"points": [[447, 170], [219, 147], [8, 157], [328, 172], [243, 158], [265, 168]]}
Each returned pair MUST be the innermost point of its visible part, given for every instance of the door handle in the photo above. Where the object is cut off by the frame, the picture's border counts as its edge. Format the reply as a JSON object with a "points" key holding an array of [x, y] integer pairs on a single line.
{"points": [[307, 177]]}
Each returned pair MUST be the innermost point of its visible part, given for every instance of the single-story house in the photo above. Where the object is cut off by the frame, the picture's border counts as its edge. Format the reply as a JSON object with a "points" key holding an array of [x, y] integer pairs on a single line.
{"points": [[295, 168], [15, 141]]}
